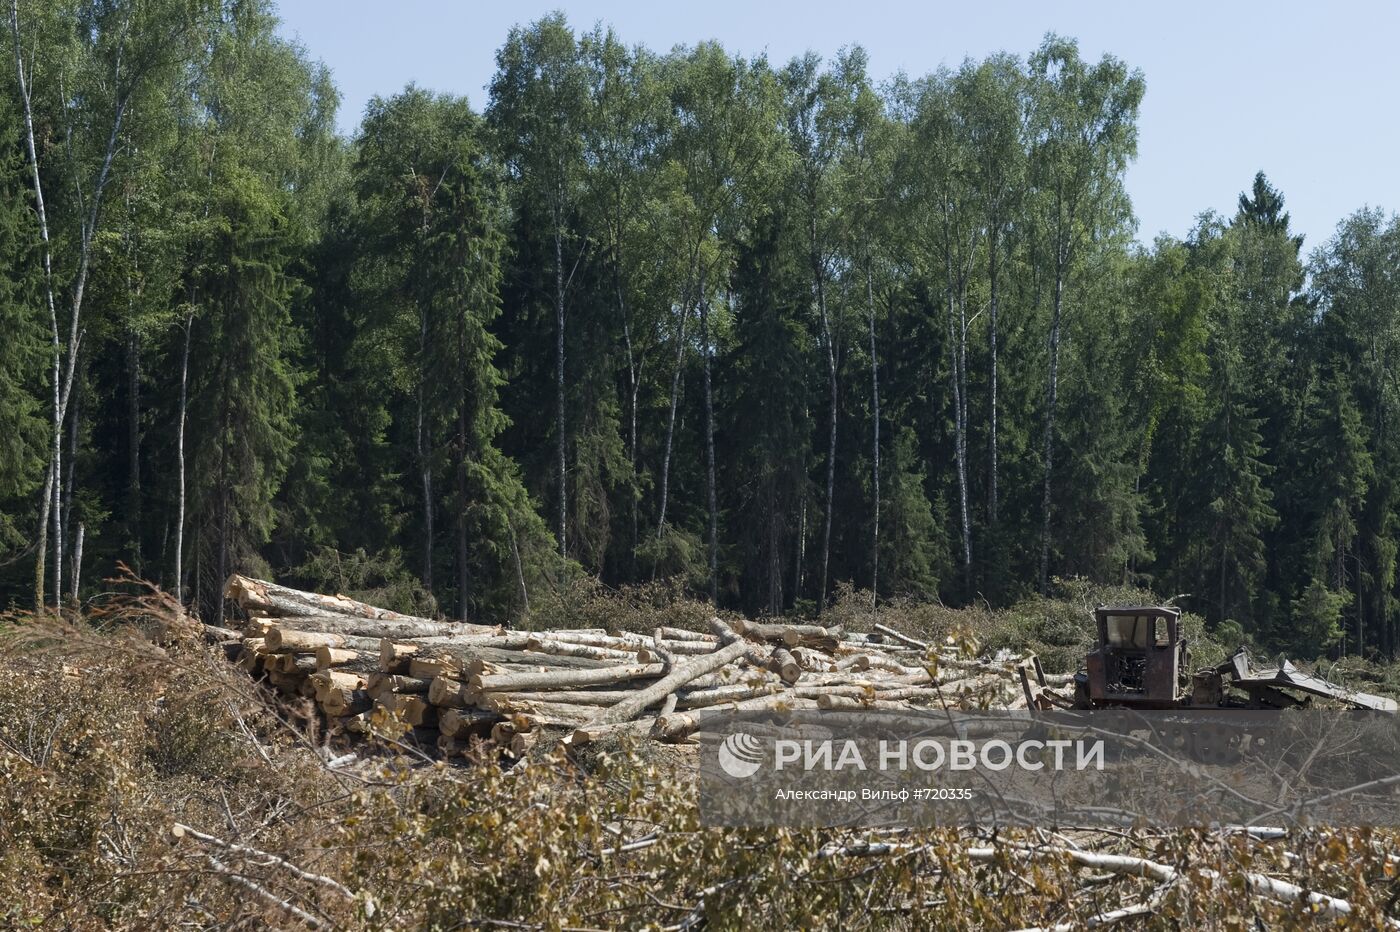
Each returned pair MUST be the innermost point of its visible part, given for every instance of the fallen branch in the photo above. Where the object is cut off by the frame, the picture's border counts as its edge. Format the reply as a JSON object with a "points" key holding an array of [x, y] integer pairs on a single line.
{"points": [[180, 830]]}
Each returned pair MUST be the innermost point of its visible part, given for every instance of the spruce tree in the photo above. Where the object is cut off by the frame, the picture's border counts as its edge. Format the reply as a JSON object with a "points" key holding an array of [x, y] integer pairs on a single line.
{"points": [[769, 408], [22, 427]]}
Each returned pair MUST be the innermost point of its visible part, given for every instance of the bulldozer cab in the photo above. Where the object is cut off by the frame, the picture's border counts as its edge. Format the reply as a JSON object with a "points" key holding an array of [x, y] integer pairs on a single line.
{"points": [[1141, 662], [1141, 659]]}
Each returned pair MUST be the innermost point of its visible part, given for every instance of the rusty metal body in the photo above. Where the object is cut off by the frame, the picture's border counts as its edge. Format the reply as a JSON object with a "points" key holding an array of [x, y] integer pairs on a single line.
{"points": [[1142, 661]]}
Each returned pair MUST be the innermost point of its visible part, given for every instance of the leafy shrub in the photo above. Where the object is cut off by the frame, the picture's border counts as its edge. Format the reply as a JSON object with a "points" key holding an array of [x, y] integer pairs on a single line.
{"points": [[379, 578]]}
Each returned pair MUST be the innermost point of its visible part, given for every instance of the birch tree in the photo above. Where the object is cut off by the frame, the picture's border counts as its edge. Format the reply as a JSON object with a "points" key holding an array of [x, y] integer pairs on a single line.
{"points": [[538, 111], [1083, 134]]}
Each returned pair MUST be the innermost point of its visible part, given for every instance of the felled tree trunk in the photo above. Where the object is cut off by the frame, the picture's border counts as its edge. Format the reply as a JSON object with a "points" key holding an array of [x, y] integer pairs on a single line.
{"points": [[699, 666], [261, 595]]}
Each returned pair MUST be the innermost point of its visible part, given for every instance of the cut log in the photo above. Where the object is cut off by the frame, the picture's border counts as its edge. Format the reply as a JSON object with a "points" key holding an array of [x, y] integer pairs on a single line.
{"points": [[883, 662], [785, 665], [683, 634], [577, 635], [632, 706], [429, 668], [252, 657], [448, 693], [675, 727], [903, 639], [970, 684], [876, 691], [289, 641], [339, 701], [395, 656], [371, 628], [459, 723], [559, 648], [737, 676], [587, 734], [658, 647], [790, 635], [863, 677], [412, 710], [632, 641], [327, 657], [326, 680], [357, 724], [814, 660], [515, 682], [713, 695], [290, 663], [830, 701], [465, 659], [521, 744], [382, 683], [260, 595], [593, 697], [783, 702], [525, 716], [526, 658]]}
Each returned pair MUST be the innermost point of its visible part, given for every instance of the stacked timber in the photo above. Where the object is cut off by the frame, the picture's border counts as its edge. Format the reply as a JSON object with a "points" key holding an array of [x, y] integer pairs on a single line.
{"points": [[465, 688]]}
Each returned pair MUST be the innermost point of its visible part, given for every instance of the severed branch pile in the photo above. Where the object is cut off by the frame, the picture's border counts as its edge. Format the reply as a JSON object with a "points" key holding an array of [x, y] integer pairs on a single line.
{"points": [[458, 684]]}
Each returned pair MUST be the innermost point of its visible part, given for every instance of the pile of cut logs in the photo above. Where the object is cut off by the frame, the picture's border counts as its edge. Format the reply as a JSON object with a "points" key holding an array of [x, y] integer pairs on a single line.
{"points": [[458, 684]]}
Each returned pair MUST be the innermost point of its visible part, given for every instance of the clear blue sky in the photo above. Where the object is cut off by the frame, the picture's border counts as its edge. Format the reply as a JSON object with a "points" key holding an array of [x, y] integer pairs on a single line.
{"points": [[1308, 92]]}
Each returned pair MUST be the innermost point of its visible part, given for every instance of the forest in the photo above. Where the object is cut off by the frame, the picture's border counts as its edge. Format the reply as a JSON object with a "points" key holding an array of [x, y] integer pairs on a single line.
{"points": [[766, 330]]}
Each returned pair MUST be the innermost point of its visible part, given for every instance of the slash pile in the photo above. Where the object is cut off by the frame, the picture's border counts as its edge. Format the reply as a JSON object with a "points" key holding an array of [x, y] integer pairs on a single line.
{"points": [[458, 684]]}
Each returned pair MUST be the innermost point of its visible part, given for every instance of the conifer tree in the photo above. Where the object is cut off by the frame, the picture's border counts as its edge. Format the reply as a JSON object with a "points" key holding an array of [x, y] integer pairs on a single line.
{"points": [[22, 434]]}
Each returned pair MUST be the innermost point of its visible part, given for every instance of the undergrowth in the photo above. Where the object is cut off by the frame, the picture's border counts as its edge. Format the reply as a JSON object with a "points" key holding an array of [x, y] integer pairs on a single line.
{"points": [[108, 741]]}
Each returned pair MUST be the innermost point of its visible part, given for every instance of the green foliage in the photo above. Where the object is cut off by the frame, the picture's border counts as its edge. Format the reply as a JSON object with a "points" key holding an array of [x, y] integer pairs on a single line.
{"points": [[915, 552], [1315, 624], [377, 578], [241, 419], [22, 438], [635, 295]]}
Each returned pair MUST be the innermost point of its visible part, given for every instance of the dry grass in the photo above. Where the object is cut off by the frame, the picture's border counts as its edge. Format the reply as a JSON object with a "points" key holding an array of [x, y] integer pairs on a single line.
{"points": [[108, 741]]}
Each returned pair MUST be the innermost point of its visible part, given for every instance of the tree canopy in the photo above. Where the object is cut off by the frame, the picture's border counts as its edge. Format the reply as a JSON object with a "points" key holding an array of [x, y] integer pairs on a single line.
{"points": [[766, 328]]}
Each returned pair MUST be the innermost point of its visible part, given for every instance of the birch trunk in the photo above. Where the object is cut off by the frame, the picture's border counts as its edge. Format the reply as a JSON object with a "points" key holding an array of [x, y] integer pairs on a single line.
{"points": [[992, 270], [561, 455], [1051, 394], [46, 507], [671, 417], [463, 578], [88, 229], [423, 447], [831, 365], [180, 464], [959, 426], [874, 442], [133, 441], [77, 561], [634, 380], [710, 453]]}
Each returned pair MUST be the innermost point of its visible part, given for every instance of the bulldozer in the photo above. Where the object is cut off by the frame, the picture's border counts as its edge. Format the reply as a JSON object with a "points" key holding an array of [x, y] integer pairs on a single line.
{"points": [[1143, 661]]}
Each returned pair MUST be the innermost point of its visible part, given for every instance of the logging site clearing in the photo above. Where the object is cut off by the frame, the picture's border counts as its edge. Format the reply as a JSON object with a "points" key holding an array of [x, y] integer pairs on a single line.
{"points": [[326, 764]]}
